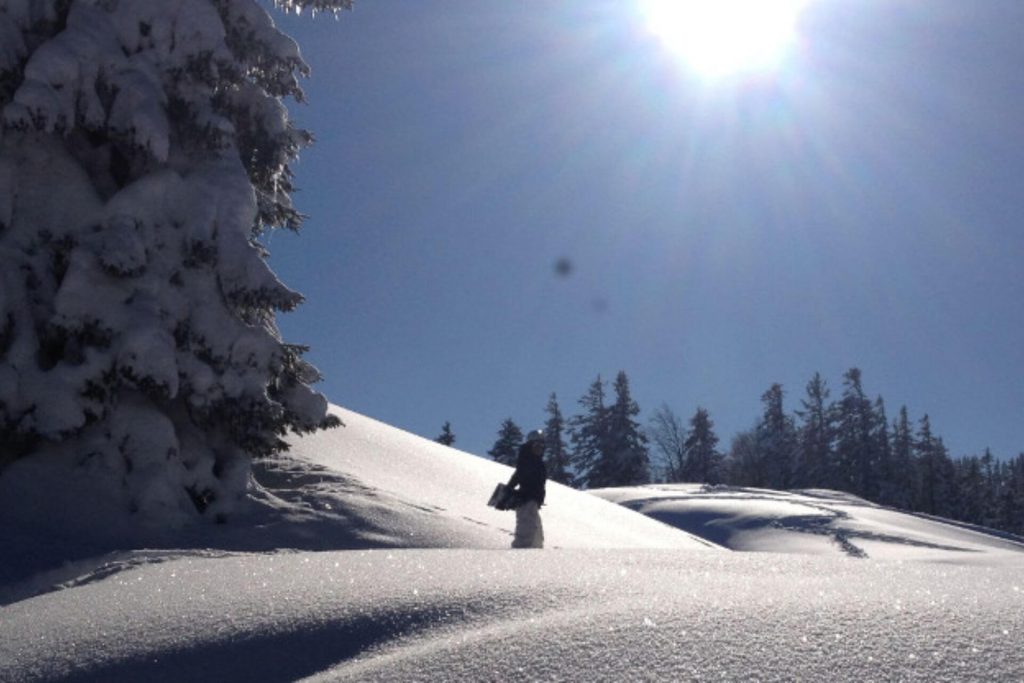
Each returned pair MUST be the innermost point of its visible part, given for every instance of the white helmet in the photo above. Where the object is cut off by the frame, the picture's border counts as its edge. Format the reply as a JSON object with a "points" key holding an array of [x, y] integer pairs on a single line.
{"points": [[535, 435]]}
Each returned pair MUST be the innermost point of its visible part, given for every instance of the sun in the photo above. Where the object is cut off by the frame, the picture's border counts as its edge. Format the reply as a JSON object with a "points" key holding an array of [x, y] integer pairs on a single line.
{"points": [[718, 38]]}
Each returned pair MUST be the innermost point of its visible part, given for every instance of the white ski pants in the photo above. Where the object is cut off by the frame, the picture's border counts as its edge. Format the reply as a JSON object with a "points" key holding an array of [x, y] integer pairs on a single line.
{"points": [[529, 530]]}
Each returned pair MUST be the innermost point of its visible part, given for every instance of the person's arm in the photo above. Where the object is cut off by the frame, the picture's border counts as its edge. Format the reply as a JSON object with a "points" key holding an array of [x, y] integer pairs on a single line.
{"points": [[514, 481]]}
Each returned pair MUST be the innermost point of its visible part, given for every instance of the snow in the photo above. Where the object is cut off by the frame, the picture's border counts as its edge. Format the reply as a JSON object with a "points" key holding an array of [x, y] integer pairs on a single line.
{"points": [[368, 553], [814, 522]]}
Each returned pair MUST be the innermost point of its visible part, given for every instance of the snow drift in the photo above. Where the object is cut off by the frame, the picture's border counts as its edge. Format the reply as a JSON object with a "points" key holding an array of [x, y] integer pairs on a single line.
{"points": [[814, 522]]}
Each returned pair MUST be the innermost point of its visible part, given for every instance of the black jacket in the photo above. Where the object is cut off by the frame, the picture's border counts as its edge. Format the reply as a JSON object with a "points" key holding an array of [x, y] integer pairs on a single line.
{"points": [[530, 475]]}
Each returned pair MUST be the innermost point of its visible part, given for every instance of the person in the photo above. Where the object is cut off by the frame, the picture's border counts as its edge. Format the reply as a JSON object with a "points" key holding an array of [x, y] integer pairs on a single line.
{"points": [[528, 487]]}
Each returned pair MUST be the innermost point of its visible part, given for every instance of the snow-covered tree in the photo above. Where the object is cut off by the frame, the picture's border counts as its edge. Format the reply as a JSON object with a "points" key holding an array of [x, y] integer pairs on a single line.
{"points": [[506, 447], [144, 148], [556, 453]]}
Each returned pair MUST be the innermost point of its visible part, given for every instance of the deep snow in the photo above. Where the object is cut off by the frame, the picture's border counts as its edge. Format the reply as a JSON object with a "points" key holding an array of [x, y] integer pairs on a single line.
{"points": [[814, 522], [368, 554]]}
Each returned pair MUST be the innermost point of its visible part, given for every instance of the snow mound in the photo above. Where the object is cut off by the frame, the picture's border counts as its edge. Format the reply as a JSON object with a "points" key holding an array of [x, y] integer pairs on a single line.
{"points": [[814, 522]]}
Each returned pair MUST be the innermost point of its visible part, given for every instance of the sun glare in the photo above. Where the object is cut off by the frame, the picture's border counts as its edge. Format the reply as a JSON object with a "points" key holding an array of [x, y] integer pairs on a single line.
{"points": [[719, 38]]}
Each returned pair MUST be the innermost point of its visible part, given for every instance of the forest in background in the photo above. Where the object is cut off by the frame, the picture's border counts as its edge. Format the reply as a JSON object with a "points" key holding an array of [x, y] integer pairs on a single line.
{"points": [[847, 444]]}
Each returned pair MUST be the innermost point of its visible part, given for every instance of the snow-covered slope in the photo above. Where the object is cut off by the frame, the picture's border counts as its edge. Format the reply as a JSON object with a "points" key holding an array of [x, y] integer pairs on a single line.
{"points": [[364, 485], [394, 489], [413, 581], [814, 522]]}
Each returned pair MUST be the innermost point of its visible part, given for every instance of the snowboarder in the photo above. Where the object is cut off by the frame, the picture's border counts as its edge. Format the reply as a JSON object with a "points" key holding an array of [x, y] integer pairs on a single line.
{"points": [[530, 476]]}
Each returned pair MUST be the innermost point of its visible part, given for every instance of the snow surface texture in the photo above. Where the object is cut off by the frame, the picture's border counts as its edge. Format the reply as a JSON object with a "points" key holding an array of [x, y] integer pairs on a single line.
{"points": [[428, 592]]}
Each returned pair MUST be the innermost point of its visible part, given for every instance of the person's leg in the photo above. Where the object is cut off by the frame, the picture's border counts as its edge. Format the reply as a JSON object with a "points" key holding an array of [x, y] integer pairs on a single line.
{"points": [[526, 525], [538, 537]]}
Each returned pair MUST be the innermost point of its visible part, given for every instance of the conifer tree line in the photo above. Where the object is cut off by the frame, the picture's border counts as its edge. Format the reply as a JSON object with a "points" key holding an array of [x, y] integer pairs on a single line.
{"points": [[847, 444], [604, 445]]}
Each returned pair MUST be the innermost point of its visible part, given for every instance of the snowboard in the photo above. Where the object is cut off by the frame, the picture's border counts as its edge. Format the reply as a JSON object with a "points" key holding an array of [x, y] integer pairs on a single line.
{"points": [[503, 498]]}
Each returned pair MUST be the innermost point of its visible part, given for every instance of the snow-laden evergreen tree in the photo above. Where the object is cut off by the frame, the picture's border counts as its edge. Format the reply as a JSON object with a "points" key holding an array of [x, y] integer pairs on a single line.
{"points": [[506, 447], [447, 436], [556, 453], [144, 147], [626, 461], [703, 461]]}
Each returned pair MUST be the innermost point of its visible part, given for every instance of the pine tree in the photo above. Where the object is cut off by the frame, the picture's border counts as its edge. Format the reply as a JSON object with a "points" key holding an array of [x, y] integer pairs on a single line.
{"points": [[855, 450], [991, 490], [970, 482], [703, 461], [506, 448], [883, 488], [556, 454], [1011, 499], [588, 435], [447, 436], [902, 484], [137, 312], [742, 465], [934, 485], [950, 500], [815, 459], [775, 441], [626, 461]]}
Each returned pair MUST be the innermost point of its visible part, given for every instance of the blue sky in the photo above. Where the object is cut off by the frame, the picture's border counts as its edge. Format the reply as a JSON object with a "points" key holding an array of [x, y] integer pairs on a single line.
{"points": [[857, 207]]}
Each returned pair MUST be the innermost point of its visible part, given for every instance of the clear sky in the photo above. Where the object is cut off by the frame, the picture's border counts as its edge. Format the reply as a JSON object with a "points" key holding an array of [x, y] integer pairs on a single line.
{"points": [[857, 203]]}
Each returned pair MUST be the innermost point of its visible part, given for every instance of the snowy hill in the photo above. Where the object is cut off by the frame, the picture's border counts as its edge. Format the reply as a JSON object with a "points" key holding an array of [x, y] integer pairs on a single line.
{"points": [[814, 522], [399, 490], [368, 554]]}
